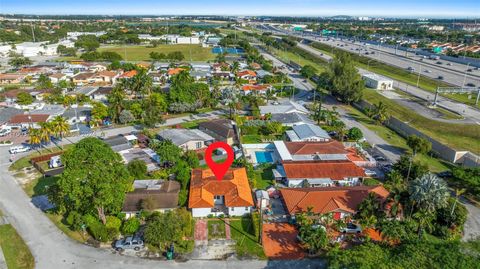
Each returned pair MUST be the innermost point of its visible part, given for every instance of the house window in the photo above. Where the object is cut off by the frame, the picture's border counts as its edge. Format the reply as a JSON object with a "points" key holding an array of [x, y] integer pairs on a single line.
{"points": [[233, 208], [246, 208], [199, 145]]}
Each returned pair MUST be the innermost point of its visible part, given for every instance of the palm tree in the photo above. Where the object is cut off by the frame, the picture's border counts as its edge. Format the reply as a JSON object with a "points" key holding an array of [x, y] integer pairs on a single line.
{"points": [[380, 113], [269, 95], [428, 192], [235, 67], [458, 193], [45, 131], [116, 102], [34, 134], [60, 126]]}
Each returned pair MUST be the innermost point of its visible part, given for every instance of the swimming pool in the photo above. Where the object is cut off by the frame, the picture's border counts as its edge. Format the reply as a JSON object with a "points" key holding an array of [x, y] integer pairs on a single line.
{"points": [[263, 157]]}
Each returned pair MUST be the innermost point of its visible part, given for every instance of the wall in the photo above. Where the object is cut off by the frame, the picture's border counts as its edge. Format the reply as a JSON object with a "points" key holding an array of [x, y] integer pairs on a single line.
{"points": [[201, 212], [443, 151], [239, 211]]}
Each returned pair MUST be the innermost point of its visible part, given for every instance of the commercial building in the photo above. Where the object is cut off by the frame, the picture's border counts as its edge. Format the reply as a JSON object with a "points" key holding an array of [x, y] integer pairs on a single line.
{"points": [[377, 82]]}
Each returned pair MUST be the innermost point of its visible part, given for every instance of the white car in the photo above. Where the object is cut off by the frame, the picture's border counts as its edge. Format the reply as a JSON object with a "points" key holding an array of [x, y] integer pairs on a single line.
{"points": [[351, 228], [5, 131], [19, 149]]}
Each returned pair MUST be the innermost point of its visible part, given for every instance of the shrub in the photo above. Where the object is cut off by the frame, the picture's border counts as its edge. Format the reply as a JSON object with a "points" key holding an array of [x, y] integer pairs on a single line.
{"points": [[256, 221], [185, 246], [74, 220], [182, 197], [130, 226], [99, 231], [113, 223], [137, 168]]}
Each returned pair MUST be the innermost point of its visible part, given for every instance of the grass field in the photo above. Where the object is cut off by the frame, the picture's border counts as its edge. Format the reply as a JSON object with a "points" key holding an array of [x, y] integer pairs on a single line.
{"points": [[141, 53], [288, 56], [394, 139], [459, 136], [39, 186], [16, 252]]}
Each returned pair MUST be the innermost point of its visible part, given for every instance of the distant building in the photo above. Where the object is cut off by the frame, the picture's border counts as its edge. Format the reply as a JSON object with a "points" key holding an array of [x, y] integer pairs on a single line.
{"points": [[377, 82], [75, 35]]}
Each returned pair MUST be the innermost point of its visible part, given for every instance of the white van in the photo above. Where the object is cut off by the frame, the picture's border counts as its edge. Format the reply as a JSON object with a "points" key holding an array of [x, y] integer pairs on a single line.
{"points": [[19, 149]]}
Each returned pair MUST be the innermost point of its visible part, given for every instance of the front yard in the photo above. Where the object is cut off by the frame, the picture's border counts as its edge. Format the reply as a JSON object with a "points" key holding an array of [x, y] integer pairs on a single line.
{"points": [[216, 229], [244, 234]]}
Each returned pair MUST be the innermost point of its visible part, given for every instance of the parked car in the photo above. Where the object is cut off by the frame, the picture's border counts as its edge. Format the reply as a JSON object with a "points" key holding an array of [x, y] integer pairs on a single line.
{"points": [[379, 158], [370, 173], [19, 149], [5, 131], [445, 174], [351, 228], [129, 242]]}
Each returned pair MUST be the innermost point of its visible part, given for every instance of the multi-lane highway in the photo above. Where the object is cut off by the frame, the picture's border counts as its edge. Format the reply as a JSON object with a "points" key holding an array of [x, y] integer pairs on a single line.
{"points": [[442, 70]]}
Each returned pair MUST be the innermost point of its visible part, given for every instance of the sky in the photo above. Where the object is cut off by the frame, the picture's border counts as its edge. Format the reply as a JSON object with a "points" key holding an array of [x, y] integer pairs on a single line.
{"points": [[374, 8]]}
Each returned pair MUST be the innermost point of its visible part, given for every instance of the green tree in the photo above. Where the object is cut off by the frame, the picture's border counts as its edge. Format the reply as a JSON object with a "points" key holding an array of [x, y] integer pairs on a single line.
{"points": [[126, 117], [94, 180], [99, 113], [137, 168], [308, 71], [379, 113], [167, 151], [417, 145], [354, 134], [60, 126], [43, 82], [87, 42], [130, 226], [162, 229], [19, 61], [344, 80], [191, 158], [24, 98]]}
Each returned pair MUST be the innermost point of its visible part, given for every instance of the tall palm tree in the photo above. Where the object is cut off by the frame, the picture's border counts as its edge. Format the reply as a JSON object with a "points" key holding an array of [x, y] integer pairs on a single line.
{"points": [[428, 192], [116, 100], [46, 131], [60, 126], [35, 138]]}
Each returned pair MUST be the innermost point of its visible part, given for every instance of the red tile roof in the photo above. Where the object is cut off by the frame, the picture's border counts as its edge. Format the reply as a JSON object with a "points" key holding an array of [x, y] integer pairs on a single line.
{"points": [[330, 199], [23, 118], [246, 73], [307, 148], [335, 170], [262, 87], [175, 71], [234, 186], [129, 74]]}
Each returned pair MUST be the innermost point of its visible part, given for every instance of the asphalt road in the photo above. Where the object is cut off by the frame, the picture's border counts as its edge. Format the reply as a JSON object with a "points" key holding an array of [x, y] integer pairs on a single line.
{"points": [[470, 114], [454, 73]]}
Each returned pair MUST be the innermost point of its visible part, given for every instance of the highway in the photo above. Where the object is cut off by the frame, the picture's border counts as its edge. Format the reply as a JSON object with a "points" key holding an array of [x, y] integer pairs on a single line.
{"points": [[452, 73], [470, 114]]}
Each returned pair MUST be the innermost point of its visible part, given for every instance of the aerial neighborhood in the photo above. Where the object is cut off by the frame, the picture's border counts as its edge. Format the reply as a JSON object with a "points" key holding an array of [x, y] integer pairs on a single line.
{"points": [[343, 154]]}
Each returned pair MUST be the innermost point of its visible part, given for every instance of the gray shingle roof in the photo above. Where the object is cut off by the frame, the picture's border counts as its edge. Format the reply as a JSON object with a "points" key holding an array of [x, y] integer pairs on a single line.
{"points": [[305, 131], [182, 136], [289, 107], [291, 118]]}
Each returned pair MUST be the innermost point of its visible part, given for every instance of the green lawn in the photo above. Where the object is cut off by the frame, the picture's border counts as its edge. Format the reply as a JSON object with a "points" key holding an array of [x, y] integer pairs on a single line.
{"points": [[16, 252], [141, 53], [288, 56], [216, 229], [263, 176], [39, 186], [459, 136], [243, 233], [394, 139], [76, 235]]}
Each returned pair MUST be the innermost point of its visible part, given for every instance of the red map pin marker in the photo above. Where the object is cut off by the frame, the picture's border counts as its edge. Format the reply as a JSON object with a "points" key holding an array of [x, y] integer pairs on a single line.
{"points": [[219, 169]]}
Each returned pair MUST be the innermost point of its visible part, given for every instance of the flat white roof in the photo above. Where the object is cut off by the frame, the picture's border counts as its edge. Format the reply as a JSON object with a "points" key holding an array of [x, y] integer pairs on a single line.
{"points": [[376, 77], [283, 151]]}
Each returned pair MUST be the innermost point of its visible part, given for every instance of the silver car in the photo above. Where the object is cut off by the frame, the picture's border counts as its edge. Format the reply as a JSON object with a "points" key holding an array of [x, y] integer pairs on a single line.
{"points": [[129, 242]]}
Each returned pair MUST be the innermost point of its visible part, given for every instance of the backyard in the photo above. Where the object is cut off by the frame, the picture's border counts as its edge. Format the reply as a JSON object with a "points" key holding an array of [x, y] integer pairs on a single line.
{"points": [[141, 53]]}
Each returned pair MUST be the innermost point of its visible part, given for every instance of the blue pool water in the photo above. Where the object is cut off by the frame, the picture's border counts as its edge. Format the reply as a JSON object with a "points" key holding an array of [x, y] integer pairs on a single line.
{"points": [[263, 157]]}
